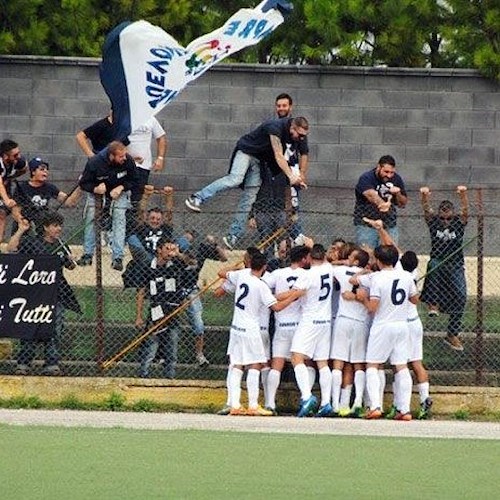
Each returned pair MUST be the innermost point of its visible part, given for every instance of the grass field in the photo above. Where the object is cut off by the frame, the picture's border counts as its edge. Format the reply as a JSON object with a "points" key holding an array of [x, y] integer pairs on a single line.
{"points": [[82, 463]]}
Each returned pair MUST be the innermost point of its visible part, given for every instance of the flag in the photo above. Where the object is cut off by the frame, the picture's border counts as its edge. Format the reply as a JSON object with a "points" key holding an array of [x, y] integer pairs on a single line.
{"points": [[28, 295], [144, 68]]}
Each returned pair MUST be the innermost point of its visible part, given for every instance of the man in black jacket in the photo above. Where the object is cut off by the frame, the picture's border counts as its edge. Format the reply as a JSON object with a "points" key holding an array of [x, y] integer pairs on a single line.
{"points": [[112, 174]]}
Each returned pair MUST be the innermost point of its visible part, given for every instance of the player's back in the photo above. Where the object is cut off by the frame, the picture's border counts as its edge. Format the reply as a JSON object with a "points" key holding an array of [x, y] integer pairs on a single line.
{"points": [[316, 304], [251, 296], [393, 288], [283, 280], [348, 308]]}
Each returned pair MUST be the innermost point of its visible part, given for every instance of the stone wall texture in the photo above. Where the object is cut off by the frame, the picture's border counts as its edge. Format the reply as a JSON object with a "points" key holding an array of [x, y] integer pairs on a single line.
{"points": [[442, 126]]}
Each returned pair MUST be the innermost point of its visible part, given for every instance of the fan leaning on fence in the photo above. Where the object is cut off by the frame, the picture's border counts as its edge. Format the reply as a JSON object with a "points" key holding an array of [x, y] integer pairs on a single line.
{"points": [[445, 288]]}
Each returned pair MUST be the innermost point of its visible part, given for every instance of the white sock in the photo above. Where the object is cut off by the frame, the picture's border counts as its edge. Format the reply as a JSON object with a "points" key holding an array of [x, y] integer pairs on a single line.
{"points": [[381, 376], [396, 392], [345, 396], [273, 382], [253, 377], [325, 384], [336, 383], [302, 378], [264, 373], [373, 387], [312, 376], [235, 387], [359, 387], [228, 383], [404, 385], [423, 391]]}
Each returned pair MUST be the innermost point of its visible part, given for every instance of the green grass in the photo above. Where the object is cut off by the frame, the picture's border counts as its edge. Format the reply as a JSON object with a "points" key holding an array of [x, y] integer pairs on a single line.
{"points": [[82, 463], [119, 305]]}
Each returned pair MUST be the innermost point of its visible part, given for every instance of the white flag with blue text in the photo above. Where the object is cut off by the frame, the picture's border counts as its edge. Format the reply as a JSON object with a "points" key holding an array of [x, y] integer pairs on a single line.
{"points": [[144, 68]]}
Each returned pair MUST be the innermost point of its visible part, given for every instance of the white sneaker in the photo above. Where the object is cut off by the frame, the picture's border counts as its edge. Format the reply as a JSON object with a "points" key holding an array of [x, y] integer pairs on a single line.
{"points": [[202, 360], [193, 203]]}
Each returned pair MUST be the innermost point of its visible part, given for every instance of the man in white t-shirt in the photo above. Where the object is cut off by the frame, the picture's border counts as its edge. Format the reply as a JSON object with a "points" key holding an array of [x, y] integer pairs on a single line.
{"points": [[140, 149], [286, 321], [391, 290], [350, 332], [246, 347]]}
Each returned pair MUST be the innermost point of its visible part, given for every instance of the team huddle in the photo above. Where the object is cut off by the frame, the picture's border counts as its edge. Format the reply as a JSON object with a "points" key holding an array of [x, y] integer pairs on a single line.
{"points": [[341, 313]]}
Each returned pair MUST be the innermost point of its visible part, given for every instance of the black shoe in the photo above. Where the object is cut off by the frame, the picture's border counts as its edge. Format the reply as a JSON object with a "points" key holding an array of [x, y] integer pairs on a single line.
{"points": [[85, 260], [117, 264]]}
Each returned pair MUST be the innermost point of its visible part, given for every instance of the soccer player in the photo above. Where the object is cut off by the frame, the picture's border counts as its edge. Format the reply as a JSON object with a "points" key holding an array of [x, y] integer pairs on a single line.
{"points": [[246, 347], [286, 321], [312, 338], [350, 332], [390, 291], [409, 262]]}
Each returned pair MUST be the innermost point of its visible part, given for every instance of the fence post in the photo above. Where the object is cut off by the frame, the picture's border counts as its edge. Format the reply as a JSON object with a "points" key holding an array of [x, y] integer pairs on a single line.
{"points": [[479, 328], [98, 221]]}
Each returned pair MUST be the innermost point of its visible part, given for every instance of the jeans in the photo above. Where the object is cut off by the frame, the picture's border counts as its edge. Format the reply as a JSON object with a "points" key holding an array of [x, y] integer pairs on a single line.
{"points": [[118, 225], [244, 168], [138, 250], [369, 236], [194, 313], [27, 351], [169, 337]]}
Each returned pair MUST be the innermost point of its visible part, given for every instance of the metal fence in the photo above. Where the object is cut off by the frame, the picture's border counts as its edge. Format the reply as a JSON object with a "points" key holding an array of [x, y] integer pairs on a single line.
{"points": [[105, 341]]}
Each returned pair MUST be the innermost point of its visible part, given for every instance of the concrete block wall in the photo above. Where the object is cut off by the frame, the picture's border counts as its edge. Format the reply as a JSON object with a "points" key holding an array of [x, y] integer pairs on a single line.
{"points": [[442, 126]]}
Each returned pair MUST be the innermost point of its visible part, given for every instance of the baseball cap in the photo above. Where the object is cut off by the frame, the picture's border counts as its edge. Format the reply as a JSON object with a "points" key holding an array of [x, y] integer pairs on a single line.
{"points": [[34, 163]]}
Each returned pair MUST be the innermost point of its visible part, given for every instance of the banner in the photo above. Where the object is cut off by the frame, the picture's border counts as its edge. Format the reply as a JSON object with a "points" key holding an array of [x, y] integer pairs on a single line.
{"points": [[28, 296], [143, 68]]}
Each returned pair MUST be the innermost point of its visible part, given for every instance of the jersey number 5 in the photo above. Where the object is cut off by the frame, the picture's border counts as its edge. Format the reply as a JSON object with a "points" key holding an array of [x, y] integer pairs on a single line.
{"points": [[325, 285]]}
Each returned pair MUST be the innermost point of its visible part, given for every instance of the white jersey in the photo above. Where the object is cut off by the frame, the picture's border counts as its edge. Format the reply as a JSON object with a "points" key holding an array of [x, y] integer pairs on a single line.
{"points": [[140, 142], [393, 288], [348, 308], [317, 302], [282, 280], [252, 300], [412, 308]]}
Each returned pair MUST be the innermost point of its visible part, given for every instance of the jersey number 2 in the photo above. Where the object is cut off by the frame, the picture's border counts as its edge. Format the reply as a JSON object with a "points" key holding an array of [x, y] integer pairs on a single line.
{"points": [[245, 289]]}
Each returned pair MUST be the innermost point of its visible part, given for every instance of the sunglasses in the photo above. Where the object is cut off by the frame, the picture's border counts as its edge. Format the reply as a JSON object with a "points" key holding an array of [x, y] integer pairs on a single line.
{"points": [[446, 218]]}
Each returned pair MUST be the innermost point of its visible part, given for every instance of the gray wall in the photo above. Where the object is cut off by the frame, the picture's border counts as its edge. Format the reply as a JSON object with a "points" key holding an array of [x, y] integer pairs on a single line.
{"points": [[443, 126]]}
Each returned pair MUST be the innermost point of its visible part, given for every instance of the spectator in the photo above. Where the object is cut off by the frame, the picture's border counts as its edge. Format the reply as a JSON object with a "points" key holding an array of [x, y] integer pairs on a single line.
{"points": [[112, 173], [12, 165], [378, 192], [268, 212], [298, 160], [143, 240], [164, 283], [265, 143], [445, 288], [194, 256], [47, 242], [33, 196], [140, 149], [93, 140]]}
